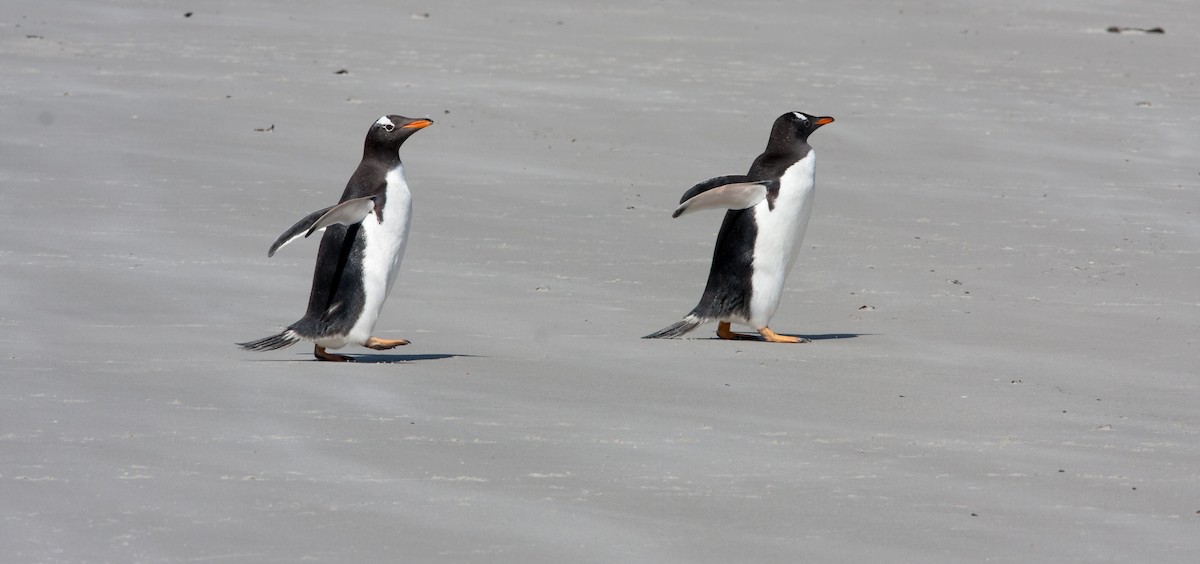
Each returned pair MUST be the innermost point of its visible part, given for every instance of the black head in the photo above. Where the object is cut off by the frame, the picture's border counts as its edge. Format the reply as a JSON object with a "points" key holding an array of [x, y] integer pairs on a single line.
{"points": [[796, 126], [389, 132]]}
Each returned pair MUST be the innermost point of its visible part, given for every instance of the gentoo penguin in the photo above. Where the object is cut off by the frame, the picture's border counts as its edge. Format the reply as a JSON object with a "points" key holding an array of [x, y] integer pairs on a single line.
{"points": [[757, 245], [360, 253]]}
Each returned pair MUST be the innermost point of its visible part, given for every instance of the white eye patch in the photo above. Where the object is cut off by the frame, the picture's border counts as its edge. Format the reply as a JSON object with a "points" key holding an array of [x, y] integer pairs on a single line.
{"points": [[386, 123]]}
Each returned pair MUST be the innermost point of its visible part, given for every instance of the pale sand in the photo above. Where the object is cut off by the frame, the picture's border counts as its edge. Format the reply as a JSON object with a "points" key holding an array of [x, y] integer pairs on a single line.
{"points": [[1001, 274]]}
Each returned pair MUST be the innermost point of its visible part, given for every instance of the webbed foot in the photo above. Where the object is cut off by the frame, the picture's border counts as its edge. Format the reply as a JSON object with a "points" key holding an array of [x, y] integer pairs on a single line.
{"points": [[322, 354], [772, 337], [384, 344]]}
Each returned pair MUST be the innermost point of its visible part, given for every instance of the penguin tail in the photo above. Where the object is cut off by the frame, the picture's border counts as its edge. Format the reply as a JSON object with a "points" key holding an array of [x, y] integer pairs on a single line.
{"points": [[287, 338], [680, 328]]}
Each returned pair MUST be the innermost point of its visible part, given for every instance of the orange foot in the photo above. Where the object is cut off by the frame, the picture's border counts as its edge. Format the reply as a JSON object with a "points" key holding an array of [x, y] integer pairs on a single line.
{"points": [[724, 332], [384, 344], [772, 337], [322, 354]]}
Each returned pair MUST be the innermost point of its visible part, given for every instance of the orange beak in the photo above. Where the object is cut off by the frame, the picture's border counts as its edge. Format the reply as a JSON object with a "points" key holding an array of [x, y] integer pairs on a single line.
{"points": [[419, 124], [824, 120]]}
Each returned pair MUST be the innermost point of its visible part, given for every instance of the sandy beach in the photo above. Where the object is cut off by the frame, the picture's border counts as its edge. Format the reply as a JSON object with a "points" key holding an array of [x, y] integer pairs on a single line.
{"points": [[1000, 280]]}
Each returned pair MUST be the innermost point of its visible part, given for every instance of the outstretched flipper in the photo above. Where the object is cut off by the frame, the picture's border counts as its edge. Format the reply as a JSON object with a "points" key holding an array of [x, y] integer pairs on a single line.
{"points": [[348, 212], [296, 231], [724, 192]]}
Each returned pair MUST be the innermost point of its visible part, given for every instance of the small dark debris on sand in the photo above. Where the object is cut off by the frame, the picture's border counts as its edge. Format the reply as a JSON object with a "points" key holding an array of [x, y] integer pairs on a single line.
{"points": [[266, 129], [1119, 29]]}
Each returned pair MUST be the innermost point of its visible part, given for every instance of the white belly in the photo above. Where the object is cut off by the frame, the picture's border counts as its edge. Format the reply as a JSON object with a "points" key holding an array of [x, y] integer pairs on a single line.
{"points": [[384, 250], [780, 233]]}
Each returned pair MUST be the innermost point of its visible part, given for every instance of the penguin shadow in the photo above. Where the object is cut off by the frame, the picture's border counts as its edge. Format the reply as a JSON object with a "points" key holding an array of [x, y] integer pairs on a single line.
{"points": [[400, 358], [828, 336], [820, 337], [376, 358]]}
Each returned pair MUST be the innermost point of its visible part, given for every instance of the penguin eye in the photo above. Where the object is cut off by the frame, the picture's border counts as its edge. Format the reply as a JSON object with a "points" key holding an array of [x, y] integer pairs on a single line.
{"points": [[388, 127]]}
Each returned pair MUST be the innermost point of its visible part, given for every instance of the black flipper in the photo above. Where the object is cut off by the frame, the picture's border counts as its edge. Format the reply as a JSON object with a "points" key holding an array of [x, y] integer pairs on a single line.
{"points": [[735, 196], [346, 213], [298, 230], [712, 183]]}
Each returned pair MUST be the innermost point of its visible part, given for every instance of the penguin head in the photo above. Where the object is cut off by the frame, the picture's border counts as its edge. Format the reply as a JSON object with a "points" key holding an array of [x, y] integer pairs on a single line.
{"points": [[800, 125], [389, 132]]}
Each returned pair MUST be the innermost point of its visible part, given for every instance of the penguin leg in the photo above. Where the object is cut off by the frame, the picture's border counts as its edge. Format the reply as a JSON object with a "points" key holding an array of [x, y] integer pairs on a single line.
{"points": [[384, 344], [724, 332], [772, 337], [322, 354]]}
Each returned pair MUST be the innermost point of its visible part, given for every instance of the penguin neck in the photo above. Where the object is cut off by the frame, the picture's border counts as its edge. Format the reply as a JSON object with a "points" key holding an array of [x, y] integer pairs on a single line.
{"points": [[780, 153], [796, 148], [389, 157], [784, 140]]}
